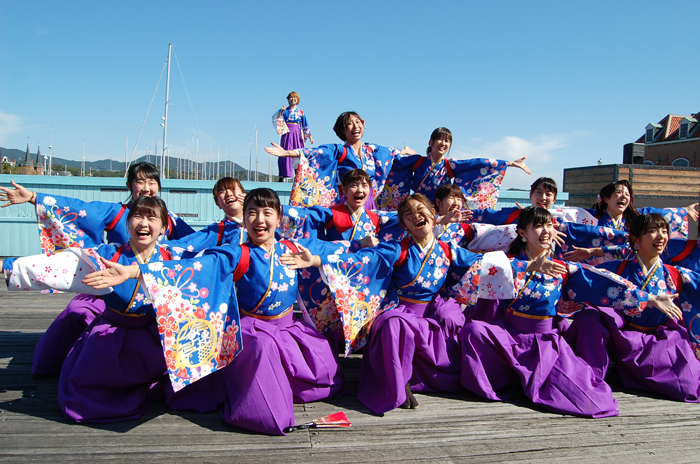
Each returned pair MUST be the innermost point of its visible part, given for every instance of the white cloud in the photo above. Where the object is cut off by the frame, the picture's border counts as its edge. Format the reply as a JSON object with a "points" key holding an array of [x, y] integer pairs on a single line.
{"points": [[542, 154], [9, 124], [511, 148]]}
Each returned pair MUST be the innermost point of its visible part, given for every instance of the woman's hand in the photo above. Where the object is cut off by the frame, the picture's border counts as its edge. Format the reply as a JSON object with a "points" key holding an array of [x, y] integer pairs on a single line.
{"points": [[558, 238], [582, 254], [543, 265], [369, 241], [520, 163], [16, 196], [692, 212], [278, 151], [301, 260], [408, 151], [665, 304], [311, 139], [115, 274]]}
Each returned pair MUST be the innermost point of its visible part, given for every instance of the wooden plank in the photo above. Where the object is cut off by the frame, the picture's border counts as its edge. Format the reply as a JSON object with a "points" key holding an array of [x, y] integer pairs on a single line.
{"points": [[445, 428]]}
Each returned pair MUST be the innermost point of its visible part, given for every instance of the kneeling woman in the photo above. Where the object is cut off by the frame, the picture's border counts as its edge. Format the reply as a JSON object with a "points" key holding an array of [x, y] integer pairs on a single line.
{"points": [[412, 346], [650, 347], [283, 360], [117, 363], [526, 348]]}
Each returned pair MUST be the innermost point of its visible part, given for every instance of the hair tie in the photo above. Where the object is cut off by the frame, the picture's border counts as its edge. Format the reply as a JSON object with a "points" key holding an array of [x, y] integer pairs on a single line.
{"points": [[600, 200]]}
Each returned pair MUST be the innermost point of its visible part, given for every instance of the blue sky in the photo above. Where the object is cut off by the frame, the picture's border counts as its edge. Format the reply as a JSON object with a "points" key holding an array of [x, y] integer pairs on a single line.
{"points": [[565, 83]]}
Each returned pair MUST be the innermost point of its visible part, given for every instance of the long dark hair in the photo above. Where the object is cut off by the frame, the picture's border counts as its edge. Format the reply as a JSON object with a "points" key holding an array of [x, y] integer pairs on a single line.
{"points": [[606, 192], [534, 215]]}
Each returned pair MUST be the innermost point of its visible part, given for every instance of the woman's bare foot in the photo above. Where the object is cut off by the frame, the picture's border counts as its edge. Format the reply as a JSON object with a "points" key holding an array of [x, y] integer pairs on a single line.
{"points": [[411, 401]]}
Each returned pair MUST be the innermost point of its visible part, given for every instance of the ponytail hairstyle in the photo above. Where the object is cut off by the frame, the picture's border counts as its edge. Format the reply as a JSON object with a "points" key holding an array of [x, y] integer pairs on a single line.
{"points": [[534, 215], [441, 133]]}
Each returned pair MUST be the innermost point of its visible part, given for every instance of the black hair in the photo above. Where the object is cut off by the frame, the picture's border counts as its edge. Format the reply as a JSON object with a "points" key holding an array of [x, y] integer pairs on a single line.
{"points": [[449, 190], [142, 170], [439, 134], [547, 183], [149, 206], [606, 192], [534, 215], [342, 122], [641, 224], [355, 175], [263, 198]]}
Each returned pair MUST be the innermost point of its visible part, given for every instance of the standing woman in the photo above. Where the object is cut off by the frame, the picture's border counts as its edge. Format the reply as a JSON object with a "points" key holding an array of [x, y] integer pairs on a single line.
{"points": [[479, 178], [299, 131], [68, 222], [321, 169]]}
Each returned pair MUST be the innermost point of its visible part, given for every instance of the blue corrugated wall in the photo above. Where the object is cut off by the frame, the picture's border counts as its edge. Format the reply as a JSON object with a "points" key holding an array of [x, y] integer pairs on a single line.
{"points": [[190, 199]]}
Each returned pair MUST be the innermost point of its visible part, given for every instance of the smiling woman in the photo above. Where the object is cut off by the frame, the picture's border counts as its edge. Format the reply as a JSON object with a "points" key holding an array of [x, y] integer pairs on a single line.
{"points": [[479, 179], [321, 169], [68, 222], [92, 387], [651, 347]]}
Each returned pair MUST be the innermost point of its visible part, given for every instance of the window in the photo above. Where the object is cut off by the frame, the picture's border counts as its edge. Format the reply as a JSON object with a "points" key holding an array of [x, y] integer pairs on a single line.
{"points": [[681, 163], [650, 135], [683, 131], [648, 162]]}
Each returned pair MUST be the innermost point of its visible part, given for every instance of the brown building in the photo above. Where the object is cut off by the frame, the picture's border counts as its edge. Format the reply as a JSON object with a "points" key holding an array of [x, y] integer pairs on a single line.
{"points": [[673, 141], [655, 186]]}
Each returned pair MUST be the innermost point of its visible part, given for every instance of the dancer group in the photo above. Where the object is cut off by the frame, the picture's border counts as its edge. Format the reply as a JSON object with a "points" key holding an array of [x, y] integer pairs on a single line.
{"points": [[394, 255]]}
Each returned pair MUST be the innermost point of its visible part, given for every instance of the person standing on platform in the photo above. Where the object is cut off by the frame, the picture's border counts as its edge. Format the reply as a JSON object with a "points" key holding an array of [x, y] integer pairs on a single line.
{"points": [[297, 132]]}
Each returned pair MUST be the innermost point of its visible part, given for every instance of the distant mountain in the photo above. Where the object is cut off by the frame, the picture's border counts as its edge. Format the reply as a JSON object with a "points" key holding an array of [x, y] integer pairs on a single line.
{"points": [[14, 154]]}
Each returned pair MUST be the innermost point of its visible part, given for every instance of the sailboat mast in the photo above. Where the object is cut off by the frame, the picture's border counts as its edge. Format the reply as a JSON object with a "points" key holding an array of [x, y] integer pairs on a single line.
{"points": [[165, 118], [51, 150]]}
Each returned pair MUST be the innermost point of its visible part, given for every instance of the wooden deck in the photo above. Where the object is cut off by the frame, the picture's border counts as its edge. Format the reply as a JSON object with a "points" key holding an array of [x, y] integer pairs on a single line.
{"points": [[446, 428]]}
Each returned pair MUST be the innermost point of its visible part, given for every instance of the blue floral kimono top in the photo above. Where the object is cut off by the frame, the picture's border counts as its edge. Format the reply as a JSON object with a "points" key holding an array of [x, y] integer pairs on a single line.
{"points": [[68, 222], [479, 179], [659, 280]]}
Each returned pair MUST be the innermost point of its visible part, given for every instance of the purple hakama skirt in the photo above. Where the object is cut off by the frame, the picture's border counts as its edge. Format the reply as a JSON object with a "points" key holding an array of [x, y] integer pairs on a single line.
{"points": [[588, 337], [283, 362], [658, 359], [416, 343], [292, 140], [53, 347], [113, 369], [519, 352]]}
